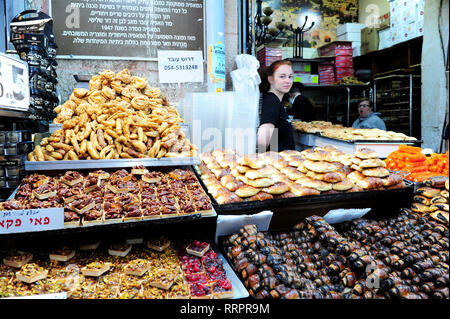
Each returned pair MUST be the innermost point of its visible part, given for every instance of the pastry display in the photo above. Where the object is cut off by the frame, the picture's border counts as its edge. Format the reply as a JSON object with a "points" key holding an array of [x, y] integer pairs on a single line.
{"points": [[403, 257], [117, 196], [338, 131], [17, 259], [95, 269], [30, 273], [63, 254], [142, 274], [231, 178], [197, 248], [120, 116], [431, 199]]}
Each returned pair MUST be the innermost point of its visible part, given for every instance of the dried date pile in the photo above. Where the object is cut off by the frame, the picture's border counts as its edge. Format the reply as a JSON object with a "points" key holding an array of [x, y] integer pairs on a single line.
{"points": [[401, 257]]}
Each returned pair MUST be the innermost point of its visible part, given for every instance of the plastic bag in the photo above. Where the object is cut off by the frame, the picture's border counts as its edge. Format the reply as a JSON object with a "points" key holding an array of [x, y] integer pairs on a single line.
{"points": [[246, 77]]}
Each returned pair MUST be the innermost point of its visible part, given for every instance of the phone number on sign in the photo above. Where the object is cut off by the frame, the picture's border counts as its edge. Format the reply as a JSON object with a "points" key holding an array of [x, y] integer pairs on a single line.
{"points": [[180, 67]]}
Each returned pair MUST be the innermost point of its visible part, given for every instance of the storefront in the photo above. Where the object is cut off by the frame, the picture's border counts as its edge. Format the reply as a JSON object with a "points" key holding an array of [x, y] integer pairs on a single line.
{"points": [[129, 164]]}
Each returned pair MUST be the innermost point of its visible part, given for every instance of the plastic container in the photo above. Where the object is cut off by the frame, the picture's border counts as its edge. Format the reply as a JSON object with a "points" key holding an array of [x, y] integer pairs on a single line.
{"points": [[13, 171]]}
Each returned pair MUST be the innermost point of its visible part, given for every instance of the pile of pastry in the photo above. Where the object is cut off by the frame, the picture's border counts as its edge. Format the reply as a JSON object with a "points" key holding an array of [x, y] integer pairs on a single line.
{"points": [[100, 197], [314, 126], [230, 177], [431, 198], [156, 268], [338, 131], [120, 116]]}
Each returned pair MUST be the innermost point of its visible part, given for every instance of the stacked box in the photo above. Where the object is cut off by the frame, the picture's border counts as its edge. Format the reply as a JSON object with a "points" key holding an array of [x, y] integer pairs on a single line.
{"points": [[266, 56], [326, 73], [336, 48]]}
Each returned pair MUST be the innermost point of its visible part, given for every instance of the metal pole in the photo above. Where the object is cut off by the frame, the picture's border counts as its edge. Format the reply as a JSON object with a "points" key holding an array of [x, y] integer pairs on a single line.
{"points": [[410, 103], [348, 105], [374, 96]]}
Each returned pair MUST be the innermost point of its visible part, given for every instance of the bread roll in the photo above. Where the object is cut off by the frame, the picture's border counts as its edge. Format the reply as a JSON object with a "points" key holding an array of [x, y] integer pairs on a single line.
{"points": [[277, 189], [253, 160], [333, 177], [429, 192], [370, 182], [247, 191], [371, 163], [315, 184], [317, 155], [260, 182], [261, 196], [320, 166], [375, 172], [392, 179], [292, 173], [365, 153], [260, 173], [343, 185], [299, 190]]}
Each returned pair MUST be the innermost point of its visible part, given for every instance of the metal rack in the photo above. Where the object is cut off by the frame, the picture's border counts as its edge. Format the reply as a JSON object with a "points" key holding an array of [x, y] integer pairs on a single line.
{"points": [[331, 91], [401, 97]]}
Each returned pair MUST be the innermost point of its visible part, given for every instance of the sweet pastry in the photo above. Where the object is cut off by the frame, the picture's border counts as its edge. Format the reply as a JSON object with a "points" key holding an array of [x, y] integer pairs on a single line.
{"points": [[260, 196], [197, 248], [440, 216], [253, 161], [159, 244], [277, 188], [119, 249], [31, 272], [316, 154], [429, 192], [343, 185], [299, 190], [320, 166], [17, 259], [82, 203], [333, 177], [222, 289], [420, 208], [71, 178], [376, 172], [371, 163], [139, 170], [247, 191], [63, 254], [365, 153], [137, 267], [315, 184], [95, 269], [162, 278]]}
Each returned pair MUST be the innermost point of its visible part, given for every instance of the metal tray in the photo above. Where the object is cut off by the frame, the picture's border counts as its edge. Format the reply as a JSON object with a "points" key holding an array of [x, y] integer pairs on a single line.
{"points": [[290, 211], [110, 163]]}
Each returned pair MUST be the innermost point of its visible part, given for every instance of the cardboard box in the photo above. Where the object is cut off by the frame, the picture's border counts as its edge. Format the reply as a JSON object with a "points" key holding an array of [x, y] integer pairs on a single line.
{"points": [[305, 78], [349, 28], [335, 48], [369, 40], [301, 67], [345, 61], [344, 72], [356, 50], [385, 38], [350, 36]]}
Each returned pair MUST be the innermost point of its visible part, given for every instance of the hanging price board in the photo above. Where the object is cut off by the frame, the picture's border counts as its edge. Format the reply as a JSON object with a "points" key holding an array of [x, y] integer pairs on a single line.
{"points": [[31, 220], [14, 86]]}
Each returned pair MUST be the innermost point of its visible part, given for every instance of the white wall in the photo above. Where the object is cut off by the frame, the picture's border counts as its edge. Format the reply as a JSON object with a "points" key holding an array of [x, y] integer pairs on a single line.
{"points": [[434, 87]]}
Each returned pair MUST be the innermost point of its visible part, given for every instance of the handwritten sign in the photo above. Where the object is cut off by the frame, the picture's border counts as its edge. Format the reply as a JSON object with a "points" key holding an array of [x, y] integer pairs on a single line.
{"points": [[31, 220], [14, 86], [126, 29], [180, 66]]}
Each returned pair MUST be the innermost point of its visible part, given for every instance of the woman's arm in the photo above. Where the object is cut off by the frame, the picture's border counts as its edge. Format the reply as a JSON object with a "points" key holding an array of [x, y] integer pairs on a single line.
{"points": [[265, 132]]}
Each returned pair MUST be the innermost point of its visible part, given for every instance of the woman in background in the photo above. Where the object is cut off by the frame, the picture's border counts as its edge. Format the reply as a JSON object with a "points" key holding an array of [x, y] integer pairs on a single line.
{"points": [[275, 131]]}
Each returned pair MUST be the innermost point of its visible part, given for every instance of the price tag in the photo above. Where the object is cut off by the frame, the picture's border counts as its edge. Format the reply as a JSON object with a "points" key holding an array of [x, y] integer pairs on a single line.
{"points": [[31, 220], [180, 66], [14, 86]]}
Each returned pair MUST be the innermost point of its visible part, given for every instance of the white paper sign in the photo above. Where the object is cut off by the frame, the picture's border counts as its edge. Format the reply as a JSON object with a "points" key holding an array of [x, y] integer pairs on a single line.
{"points": [[179, 66], [31, 220], [341, 215], [230, 224], [14, 86]]}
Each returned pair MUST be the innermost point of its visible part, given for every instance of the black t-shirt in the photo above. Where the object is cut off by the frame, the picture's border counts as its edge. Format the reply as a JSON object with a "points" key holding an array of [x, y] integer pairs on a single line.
{"points": [[302, 109], [272, 111]]}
